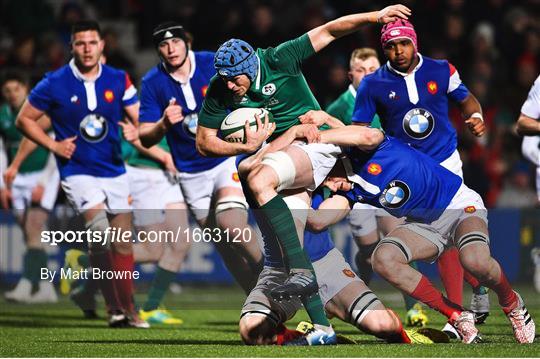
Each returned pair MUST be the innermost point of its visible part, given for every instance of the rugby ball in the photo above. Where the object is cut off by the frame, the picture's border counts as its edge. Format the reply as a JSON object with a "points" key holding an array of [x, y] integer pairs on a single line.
{"points": [[232, 127]]}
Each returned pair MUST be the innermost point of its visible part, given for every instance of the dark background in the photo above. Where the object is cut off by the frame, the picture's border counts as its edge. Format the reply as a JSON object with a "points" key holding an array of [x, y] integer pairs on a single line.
{"points": [[494, 44]]}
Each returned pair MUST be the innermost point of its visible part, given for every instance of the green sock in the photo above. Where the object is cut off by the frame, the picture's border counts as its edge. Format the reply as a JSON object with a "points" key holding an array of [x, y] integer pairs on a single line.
{"points": [[34, 260], [84, 260], [410, 301], [315, 310], [159, 287], [282, 223]]}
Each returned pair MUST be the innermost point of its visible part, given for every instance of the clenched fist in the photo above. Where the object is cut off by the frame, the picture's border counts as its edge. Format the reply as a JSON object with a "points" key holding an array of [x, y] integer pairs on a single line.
{"points": [[172, 114]]}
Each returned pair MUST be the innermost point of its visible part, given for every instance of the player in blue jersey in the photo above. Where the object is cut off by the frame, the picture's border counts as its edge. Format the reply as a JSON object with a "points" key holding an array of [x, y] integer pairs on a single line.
{"points": [[411, 93], [344, 295], [367, 222], [85, 101], [440, 211], [171, 96]]}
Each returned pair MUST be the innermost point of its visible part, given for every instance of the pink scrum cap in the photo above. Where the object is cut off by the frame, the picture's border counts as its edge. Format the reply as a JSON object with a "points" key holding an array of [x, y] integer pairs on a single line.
{"points": [[399, 29]]}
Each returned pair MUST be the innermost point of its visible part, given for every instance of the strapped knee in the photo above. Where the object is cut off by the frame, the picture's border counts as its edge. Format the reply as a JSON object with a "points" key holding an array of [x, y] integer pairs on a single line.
{"points": [[258, 309], [472, 238], [99, 223], [361, 307], [399, 244], [231, 202], [284, 167]]}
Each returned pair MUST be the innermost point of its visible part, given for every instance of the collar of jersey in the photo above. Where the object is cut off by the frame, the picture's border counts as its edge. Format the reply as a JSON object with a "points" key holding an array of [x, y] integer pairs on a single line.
{"points": [[420, 62], [191, 56], [78, 74], [352, 90], [258, 78]]}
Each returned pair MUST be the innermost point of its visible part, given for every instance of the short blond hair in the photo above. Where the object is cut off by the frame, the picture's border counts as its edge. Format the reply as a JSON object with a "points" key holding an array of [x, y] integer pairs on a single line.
{"points": [[363, 53]]}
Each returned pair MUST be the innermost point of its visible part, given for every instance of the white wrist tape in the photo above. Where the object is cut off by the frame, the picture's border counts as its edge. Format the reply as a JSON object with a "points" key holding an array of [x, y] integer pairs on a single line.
{"points": [[477, 115]]}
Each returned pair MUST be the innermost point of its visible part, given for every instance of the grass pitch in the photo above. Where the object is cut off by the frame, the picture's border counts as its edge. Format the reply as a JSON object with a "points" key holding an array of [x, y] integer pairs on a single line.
{"points": [[210, 330]]}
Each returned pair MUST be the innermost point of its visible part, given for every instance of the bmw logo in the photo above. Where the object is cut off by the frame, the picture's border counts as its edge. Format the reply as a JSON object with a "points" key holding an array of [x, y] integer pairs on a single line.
{"points": [[190, 123], [395, 195], [418, 123], [94, 128]]}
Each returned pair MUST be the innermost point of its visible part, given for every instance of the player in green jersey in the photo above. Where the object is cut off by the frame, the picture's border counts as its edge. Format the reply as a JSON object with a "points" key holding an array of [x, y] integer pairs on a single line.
{"points": [[272, 78], [158, 206], [31, 193]]}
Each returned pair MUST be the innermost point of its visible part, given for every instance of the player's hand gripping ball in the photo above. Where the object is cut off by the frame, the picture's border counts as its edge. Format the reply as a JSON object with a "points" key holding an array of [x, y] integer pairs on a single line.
{"points": [[233, 127]]}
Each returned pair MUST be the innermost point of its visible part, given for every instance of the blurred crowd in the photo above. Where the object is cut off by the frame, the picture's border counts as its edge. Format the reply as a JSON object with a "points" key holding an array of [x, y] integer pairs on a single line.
{"points": [[494, 44]]}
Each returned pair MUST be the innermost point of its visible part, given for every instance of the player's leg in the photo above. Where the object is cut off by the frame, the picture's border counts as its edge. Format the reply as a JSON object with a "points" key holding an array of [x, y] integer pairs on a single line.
{"points": [[419, 242], [231, 217], [101, 257], [169, 264], [261, 320], [416, 315], [473, 243], [366, 236], [198, 189], [123, 262], [28, 215], [42, 200], [295, 167], [347, 297], [88, 195]]}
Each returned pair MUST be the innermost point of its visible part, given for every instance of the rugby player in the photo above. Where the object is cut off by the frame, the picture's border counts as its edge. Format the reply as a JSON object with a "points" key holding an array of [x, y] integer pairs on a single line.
{"points": [[344, 295], [29, 186], [410, 94], [85, 101], [528, 124], [366, 221], [440, 211], [272, 78], [171, 97]]}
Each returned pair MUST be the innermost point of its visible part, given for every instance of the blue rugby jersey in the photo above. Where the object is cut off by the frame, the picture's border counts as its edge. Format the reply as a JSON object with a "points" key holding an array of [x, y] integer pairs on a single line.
{"points": [[414, 107], [89, 110], [401, 180], [159, 87]]}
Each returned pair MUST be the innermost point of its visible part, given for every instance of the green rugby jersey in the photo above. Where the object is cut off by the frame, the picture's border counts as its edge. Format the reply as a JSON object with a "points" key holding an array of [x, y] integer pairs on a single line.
{"points": [[37, 160], [342, 108], [280, 87], [136, 159]]}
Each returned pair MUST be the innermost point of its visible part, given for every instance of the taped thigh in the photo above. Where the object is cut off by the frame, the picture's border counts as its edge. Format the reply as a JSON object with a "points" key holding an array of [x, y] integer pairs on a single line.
{"points": [[361, 307], [284, 167], [99, 223], [471, 238], [399, 244], [230, 202]]}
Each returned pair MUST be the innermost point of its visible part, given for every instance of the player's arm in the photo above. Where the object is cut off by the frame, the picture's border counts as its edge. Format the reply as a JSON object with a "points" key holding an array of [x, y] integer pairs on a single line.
{"points": [[151, 133], [26, 147], [331, 211], [5, 193], [323, 35], [319, 118], [210, 145], [528, 123], [365, 138], [27, 123], [528, 126], [472, 113]]}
